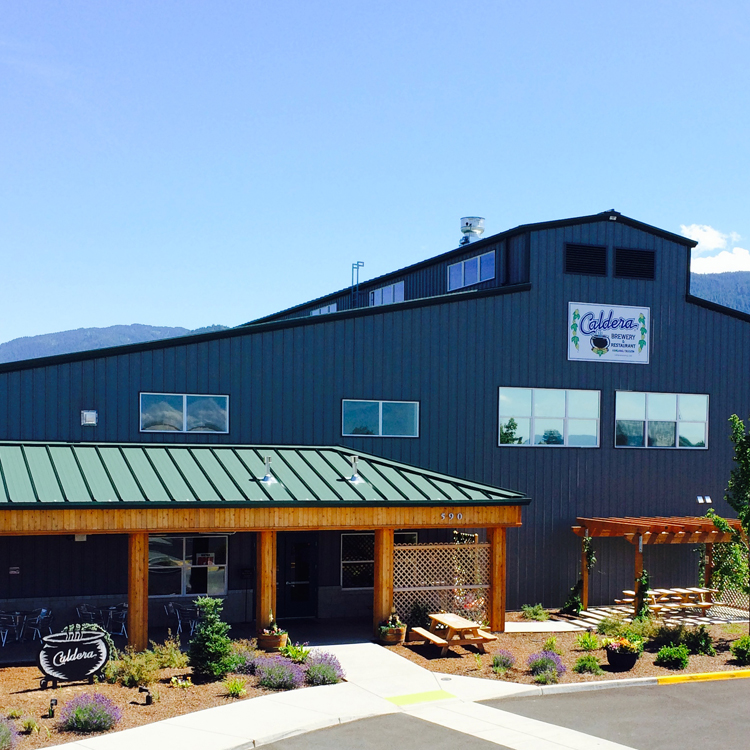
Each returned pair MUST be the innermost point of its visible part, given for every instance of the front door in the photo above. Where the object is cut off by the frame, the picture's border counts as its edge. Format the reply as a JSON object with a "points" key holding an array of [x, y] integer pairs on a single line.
{"points": [[297, 591]]}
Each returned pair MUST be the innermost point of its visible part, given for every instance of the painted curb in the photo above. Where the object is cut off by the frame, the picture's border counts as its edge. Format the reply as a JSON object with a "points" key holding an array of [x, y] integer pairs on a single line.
{"points": [[741, 674]]}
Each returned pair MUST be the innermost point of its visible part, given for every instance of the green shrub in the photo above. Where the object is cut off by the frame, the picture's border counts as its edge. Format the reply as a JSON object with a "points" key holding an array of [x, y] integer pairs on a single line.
{"points": [[321, 674], [741, 650], [502, 661], [548, 677], [235, 687], [698, 641], [7, 735], [169, 655], [14, 713], [551, 645], [419, 615], [133, 668], [587, 641], [30, 726], [210, 652], [612, 627], [588, 663], [672, 657], [534, 612], [296, 652], [641, 627]]}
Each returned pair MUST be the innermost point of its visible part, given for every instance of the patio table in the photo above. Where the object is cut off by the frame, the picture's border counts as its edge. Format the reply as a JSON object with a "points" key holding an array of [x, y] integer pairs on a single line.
{"points": [[448, 630]]}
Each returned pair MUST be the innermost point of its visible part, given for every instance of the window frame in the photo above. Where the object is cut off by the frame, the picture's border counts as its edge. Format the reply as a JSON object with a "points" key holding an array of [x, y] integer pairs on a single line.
{"points": [[677, 422], [343, 562], [184, 430], [462, 263], [503, 418], [380, 402], [326, 309], [394, 301], [184, 566]]}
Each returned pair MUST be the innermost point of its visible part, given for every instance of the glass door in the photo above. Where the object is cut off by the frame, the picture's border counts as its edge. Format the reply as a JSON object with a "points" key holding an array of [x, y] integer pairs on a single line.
{"points": [[297, 592]]}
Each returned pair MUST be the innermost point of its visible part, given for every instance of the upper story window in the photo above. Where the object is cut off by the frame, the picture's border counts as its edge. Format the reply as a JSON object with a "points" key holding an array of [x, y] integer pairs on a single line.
{"points": [[387, 295], [471, 271], [549, 416], [661, 420], [184, 412], [324, 310], [380, 418]]}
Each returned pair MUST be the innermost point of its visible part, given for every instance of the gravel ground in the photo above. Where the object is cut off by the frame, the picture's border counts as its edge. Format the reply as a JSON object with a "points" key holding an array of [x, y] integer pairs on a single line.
{"points": [[19, 689], [467, 661]]}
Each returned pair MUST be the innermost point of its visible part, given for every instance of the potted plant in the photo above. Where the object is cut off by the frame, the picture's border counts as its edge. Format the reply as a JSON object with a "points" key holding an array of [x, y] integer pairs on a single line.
{"points": [[392, 631], [273, 637], [623, 652]]}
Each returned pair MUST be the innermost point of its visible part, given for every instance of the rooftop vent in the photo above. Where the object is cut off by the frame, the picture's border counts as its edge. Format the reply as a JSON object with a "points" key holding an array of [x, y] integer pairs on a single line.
{"points": [[472, 228]]}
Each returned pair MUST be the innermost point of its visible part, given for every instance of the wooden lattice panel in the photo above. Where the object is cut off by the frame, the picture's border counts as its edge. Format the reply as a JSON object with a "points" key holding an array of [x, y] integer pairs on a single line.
{"points": [[442, 577]]}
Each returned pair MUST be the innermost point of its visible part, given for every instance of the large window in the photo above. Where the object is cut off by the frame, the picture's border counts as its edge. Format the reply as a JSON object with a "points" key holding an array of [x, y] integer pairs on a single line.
{"points": [[177, 412], [380, 418], [661, 420], [547, 416], [358, 557], [471, 271], [387, 295], [187, 565]]}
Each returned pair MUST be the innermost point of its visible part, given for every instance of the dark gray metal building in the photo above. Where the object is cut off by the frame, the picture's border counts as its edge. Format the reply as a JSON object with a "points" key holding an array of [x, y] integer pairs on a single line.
{"points": [[464, 364]]}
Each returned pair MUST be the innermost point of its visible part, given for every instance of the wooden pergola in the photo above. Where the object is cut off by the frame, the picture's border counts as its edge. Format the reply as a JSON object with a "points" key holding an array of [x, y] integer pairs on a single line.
{"points": [[651, 530]]}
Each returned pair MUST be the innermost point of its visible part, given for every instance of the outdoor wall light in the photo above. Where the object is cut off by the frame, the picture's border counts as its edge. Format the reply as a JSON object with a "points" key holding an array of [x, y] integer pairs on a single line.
{"points": [[149, 698], [700, 499], [268, 478], [52, 704], [354, 478], [708, 500]]}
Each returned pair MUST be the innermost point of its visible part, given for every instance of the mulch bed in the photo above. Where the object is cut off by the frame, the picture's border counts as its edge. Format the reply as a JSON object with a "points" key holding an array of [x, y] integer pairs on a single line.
{"points": [[467, 661], [19, 689]]}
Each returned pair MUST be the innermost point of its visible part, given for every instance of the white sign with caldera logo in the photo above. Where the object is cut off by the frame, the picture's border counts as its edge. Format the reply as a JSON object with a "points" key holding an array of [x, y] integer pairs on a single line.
{"points": [[608, 333]]}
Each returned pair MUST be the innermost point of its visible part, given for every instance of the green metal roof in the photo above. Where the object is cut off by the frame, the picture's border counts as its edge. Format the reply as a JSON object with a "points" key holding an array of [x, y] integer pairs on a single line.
{"points": [[126, 474]]}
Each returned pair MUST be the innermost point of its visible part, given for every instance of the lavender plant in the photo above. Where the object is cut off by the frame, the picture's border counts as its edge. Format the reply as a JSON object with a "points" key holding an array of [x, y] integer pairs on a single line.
{"points": [[323, 668], [279, 673], [89, 713], [7, 735], [546, 661]]}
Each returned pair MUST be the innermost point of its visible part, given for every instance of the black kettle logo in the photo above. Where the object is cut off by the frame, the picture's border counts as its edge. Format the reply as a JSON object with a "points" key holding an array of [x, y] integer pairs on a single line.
{"points": [[73, 655], [599, 345]]}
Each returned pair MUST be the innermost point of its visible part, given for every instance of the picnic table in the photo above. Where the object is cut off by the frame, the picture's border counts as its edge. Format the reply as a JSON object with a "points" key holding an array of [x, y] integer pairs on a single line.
{"points": [[677, 599], [448, 630]]}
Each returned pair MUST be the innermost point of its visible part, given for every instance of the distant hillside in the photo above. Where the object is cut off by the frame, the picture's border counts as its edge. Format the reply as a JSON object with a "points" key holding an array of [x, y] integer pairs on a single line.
{"points": [[83, 339], [729, 289]]}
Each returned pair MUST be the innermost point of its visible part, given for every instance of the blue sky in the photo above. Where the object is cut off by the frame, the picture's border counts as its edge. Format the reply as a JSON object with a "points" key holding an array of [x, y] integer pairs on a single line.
{"points": [[188, 163]]}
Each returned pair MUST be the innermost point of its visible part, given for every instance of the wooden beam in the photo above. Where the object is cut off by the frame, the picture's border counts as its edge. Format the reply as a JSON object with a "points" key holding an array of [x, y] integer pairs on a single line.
{"points": [[138, 591], [265, 578], [584, 576], [382, 603], [181, 520], [498, 556]]}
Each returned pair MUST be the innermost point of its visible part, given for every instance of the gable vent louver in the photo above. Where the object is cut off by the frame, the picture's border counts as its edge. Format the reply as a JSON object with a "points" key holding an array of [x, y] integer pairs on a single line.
{"points": [[635, 264], [586, 259]]}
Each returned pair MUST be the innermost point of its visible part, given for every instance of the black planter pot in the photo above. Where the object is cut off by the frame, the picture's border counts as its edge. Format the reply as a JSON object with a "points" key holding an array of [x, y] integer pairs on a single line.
{"points": [[621, 662]]}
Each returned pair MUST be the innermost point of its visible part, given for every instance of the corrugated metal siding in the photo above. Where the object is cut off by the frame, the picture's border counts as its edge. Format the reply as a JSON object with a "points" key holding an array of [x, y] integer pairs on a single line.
{"points": [[286, 386]]}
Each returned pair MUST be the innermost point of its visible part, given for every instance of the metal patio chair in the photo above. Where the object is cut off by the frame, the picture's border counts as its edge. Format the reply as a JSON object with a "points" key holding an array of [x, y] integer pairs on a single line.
{"points": [[118, 619], [39, 620]]}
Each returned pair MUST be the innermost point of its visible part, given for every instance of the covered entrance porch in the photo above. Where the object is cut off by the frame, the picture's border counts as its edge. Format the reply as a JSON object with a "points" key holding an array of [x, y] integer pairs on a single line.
{"points": [[138, 490]]}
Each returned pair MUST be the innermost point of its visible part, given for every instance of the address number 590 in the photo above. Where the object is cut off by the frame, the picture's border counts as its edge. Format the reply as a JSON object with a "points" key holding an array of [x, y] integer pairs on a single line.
{"points": [[451, 516]]}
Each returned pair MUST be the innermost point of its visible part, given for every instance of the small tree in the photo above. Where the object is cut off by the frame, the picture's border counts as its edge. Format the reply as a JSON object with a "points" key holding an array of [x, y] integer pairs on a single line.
{"points": [[210, 650], [738, 496]]}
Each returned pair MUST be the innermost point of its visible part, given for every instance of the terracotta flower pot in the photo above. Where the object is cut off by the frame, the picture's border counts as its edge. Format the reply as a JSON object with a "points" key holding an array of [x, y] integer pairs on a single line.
{"points": [[272, 641], [392, 636], [621, 661]]}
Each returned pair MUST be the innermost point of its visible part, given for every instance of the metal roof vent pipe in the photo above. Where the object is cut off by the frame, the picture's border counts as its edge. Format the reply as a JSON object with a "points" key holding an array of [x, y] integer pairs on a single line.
{"points": [[268, 478], [355, 477], [472, 228]]}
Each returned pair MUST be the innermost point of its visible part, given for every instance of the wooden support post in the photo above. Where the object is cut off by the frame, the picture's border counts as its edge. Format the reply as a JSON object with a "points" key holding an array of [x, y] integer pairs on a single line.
{"points": [[265, 578], [138, 590], [584, 573], [708, 570], [382, 603], [638, 599], [497, 578]]}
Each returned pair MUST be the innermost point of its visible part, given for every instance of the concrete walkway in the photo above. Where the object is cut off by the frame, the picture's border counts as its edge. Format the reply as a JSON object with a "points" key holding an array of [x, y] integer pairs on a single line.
{"points": [[378, 682]]}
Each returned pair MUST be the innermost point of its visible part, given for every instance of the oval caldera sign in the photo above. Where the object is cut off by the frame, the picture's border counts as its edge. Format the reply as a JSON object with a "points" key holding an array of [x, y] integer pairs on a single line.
{"points": [[73, 656]]}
